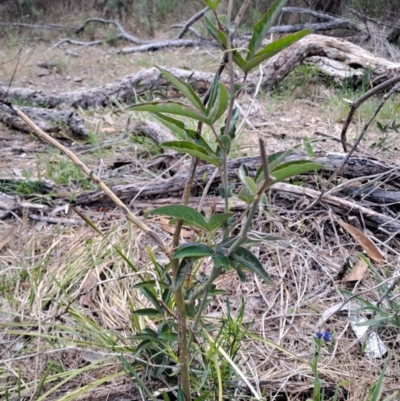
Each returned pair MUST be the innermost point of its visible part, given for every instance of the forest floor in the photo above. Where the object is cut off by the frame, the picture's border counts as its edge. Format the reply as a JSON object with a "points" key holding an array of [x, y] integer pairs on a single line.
{"points": [[44, 267]]}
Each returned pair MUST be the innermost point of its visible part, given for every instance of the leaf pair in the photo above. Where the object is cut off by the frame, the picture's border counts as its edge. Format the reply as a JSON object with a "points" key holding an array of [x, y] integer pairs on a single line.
{"points": [[217, 105], [279, 171], [192, 218]]}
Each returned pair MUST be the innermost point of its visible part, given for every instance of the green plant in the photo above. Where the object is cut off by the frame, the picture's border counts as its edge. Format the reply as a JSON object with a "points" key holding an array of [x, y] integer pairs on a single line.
{"points": [[386, 311], [320, 340], [216, 241], [389, 134], [180, 345]]}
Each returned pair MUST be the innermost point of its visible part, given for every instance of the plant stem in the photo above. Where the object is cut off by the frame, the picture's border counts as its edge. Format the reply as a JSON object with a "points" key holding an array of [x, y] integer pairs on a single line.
{"points": [[216, 271], [179, 298]]}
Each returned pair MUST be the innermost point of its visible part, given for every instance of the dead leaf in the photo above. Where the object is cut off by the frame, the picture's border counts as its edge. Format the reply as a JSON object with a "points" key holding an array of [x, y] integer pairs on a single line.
{"points": [[369, 247], [5, 237], [89, 286], [185, 232], [108, 130], [358, 271]]}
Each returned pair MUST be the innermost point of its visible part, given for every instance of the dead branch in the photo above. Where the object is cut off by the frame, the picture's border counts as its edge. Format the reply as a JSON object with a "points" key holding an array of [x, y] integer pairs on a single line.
{"points": [[49, 27], [316, 14], [152, 46], [78, 43], [190, 29], [122, 34], [190, 22], [356, 104]]}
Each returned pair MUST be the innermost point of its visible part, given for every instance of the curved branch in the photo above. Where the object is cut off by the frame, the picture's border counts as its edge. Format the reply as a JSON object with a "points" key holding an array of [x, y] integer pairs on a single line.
{"points": [[190, 22]]}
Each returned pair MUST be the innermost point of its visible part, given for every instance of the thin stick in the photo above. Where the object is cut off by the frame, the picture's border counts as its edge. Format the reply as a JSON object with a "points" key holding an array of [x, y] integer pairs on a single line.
{"points": [[359, 139], [92, 176]]}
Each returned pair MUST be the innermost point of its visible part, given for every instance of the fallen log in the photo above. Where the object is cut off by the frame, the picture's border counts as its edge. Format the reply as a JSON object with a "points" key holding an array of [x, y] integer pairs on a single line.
{"points": [[49, 120], [337, 58], [355, 168]]}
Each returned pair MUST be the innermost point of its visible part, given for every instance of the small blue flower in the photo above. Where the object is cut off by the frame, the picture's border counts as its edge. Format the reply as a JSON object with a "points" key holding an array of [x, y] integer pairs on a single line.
{"points": [[327, 335], [319, 335]]}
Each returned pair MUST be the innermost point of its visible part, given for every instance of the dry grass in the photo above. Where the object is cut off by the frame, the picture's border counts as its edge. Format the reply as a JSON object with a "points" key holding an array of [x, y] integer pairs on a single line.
{"points": [[67, 297]]}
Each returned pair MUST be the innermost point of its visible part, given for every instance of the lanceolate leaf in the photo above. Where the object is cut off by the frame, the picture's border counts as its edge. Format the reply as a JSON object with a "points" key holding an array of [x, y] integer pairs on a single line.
{"points": [[245, 258], [184, 88], [192, 251], [217, 220], [146, 312], [213, 4], [221, 39], [152, 298], [176, 108], [220, 105], [198, 140], [277, 158], [191, 216], [193, 150], [220, 261], [177, 127], [262, 27], [274, 48], [291, 169]]}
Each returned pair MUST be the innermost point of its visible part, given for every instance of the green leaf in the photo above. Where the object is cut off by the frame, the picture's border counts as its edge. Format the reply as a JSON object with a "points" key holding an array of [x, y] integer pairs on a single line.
{"points": [[221, 189], [198, 140], [146, 312], [142, 346], [245, 258], [291, 169], [262, 27], [168, 336], [274, 48], [220, 104], [176, 108], [213, 4], [184, 88], [183, 270], [191, 216], [193, 150], [247, 181], [217, 220], [147, 283], [246, 195], [277, 158], [152, 298], [203, 397], [221, 261], [376, 394], [192, 251], [308, 147], [241, 274], [221, 40], [176, 127], [232, 125]]}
